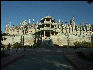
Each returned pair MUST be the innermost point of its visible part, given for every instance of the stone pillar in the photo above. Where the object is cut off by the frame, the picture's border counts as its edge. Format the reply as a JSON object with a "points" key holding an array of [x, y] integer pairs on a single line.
{"points": [[50, 25], [69, 29], [23, 40], [44, 33], [62, 29], [50, 20], [66, 29], [54, 33], [80, 30], [86, 28], [72, 29], [50, 33], [40, 34], [54, 26], [45, 19]]}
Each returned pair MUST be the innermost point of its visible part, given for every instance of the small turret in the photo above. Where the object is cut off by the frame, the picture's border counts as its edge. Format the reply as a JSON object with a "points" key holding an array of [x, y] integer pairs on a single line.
{"points": [[72, 22], [50, 20], [33, 21], [59, 21], [29, 21], [10, 23], [6, 25], [36, 22], [62, 23]]}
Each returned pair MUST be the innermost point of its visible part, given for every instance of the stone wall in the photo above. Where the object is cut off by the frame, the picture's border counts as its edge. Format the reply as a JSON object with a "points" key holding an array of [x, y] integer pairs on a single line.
{"points": [[28, 39], [59, 39], [11, 40], [69, 40]]}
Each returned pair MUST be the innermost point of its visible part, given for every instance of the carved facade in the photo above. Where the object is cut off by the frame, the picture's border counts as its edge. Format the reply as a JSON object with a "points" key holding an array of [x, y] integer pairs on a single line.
{"points": [[48, 28]]}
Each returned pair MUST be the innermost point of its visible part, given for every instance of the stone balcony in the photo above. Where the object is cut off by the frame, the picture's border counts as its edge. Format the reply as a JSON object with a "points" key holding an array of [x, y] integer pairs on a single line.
{"points": [[47, 28]]}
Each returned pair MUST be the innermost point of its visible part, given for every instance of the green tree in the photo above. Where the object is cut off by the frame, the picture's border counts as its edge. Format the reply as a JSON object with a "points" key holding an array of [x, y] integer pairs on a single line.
{"points": [[85, 44], [92, 39], [77, 44], [15, 45]]}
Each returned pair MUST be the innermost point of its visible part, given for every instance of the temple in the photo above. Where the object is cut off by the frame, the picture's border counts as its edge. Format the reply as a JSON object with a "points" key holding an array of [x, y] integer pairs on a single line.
{"points": [[60, 33]]}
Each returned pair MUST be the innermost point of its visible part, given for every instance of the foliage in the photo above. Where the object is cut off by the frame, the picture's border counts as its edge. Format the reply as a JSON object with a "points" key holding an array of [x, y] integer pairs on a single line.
{"points": [[91, 45], [4, 34], [85, 44], [92, 39], [3, 54], [15, 45], [37, 45], [1, 36], [77, 44], [27, 46], [81, 44], [2, 46]]}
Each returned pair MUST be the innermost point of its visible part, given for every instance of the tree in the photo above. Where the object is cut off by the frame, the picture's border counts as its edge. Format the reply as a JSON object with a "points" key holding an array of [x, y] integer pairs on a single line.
{"points": [[4, 34], [1, 40], [89, 2], [92, 39], [77, 44], [15, 45], [81, 44]]}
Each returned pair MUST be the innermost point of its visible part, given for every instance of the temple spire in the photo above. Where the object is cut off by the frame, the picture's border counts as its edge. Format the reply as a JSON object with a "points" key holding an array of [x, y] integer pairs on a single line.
{"points": [[33, 21], [6, 24], [10, 23], [62, 22], [37, 22], [29, 21], [59, 21]]}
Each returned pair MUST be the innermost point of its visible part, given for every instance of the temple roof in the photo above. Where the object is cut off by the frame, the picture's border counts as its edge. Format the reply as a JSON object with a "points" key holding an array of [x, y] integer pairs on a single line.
{"points": [[47, 19]]}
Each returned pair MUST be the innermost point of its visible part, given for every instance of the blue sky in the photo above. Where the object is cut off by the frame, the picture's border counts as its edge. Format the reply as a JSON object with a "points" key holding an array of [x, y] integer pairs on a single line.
{"points": [[18, 11]]}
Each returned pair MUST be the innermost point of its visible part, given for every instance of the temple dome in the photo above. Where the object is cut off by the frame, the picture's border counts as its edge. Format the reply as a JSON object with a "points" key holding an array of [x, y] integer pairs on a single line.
{"points": [[47, 18]]}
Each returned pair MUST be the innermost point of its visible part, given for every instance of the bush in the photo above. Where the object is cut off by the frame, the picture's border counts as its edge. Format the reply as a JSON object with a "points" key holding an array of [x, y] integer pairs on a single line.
{"points": [[77, 44], [81, 44], [3, 54], [27, 46], [16, 45], [85, 44], [2, 46], [90, 45]]}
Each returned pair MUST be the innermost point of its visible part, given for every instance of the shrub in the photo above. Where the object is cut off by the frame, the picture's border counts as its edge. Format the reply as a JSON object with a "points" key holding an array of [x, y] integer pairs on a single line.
{"points": [[81, 44], [27, 46], [85, 44], [90, 45], [16, 45], [4, 34], [77, 44]]}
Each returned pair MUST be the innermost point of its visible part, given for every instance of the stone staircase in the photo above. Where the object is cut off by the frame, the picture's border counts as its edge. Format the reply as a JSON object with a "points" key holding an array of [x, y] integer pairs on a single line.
{"points": [[46, 42]]}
